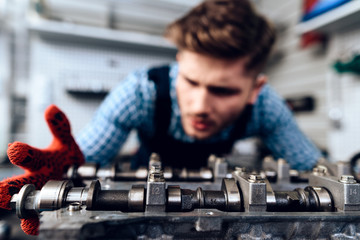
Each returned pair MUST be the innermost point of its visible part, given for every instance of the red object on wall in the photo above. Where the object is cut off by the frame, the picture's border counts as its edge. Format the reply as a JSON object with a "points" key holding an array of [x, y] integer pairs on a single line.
{"points": [[308, 5], [310, 38]]}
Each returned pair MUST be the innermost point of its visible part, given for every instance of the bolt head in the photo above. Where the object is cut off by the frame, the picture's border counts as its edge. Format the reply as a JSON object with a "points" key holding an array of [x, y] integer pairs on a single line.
{"points": [[268, 159], [255, 178], [347, 179], [240, 169], [320, 170], [154, 160], [281, 161], [212, 158], [220, 159]]}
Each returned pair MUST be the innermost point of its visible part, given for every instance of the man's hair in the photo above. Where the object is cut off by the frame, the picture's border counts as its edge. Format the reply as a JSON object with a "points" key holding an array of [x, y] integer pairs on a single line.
{"points": [[227, 29]]}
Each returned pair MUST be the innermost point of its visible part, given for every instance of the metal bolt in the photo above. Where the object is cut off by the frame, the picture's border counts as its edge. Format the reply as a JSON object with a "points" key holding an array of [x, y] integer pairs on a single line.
{"points": [[154, 160], [240, 169], [255, 178], [268, 159], [281, 161], [155, 156], [320, 170], [155, 169], [212, 158], [347, 179], [220, 159], [154, 177], [156, 174]]}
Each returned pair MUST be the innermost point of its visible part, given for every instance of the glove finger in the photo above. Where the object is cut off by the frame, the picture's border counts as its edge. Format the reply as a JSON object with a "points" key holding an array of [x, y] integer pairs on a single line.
{"points": [[10, 186], [58, 124], [6, 192], [30, 226], [60, 127], [27, 157]]}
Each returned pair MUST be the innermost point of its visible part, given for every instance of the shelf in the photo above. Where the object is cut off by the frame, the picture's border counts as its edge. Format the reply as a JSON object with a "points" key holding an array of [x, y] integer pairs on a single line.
{"points": [[335, 20], [98, 34]]}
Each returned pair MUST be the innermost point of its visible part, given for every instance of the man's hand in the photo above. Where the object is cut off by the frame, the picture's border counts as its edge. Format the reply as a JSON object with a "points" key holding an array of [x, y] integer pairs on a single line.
{"points": [[41, 165]]}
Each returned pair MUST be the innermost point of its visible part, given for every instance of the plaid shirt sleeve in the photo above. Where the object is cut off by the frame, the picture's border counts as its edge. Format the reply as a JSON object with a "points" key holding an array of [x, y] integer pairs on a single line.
{"points": [[280, 133], [129, 106]]}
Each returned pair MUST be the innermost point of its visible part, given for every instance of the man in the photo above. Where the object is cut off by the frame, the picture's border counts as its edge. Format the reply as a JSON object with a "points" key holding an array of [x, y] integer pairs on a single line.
{"points": [[213, 95]]}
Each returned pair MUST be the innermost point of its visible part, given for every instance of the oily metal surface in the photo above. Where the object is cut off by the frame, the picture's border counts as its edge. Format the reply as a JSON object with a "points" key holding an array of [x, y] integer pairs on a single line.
{"points": [[200, 223]]}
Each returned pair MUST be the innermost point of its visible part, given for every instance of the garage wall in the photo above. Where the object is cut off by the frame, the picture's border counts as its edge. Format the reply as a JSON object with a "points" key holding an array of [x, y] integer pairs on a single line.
{"points": [[309, 72], [344, 96], [299, 71]]}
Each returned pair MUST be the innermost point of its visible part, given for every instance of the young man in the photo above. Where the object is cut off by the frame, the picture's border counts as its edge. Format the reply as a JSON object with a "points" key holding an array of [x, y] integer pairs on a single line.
{"points": [[213, 95]]}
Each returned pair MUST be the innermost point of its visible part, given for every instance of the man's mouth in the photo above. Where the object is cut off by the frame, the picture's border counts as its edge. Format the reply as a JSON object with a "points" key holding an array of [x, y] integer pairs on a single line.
{"points": [[201, 125]]}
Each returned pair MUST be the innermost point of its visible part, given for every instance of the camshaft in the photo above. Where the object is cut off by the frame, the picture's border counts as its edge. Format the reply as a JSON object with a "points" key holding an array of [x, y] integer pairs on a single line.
{"points": [[154, 198]]}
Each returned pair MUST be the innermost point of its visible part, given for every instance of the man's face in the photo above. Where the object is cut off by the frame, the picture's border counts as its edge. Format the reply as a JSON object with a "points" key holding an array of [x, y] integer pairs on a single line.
{"points": [[212, 92]]}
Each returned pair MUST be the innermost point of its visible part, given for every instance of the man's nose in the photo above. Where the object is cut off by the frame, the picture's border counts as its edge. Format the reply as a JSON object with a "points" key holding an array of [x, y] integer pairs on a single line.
{"points": [[202, 102]]}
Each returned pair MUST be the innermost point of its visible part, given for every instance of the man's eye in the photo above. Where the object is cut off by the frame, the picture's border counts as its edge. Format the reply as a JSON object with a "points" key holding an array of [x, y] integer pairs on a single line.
{"points": [[192, 83], [223, 91]]}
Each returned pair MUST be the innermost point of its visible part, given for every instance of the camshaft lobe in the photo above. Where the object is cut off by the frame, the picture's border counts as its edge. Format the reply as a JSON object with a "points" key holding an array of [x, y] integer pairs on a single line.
{"points": [[199, 199], [300, 200]]}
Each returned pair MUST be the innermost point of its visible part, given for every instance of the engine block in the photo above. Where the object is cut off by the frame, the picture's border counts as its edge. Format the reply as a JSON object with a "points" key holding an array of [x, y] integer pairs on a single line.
{"points": [[217, 202]]}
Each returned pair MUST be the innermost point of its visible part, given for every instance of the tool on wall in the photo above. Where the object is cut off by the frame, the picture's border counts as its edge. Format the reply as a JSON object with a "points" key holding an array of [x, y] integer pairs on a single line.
{"points": [[336, 89]]}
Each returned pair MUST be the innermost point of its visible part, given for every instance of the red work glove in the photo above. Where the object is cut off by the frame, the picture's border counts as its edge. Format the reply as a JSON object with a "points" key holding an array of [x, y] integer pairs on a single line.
{"points": [[41, 165]]}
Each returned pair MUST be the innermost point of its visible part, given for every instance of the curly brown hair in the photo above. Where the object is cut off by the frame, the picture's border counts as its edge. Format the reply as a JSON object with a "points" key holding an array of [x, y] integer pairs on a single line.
{"points": [[227, 29]]}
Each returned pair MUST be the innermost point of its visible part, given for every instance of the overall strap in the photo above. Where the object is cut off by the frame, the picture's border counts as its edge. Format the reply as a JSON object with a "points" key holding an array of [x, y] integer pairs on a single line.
{"points": [[162, 115]]}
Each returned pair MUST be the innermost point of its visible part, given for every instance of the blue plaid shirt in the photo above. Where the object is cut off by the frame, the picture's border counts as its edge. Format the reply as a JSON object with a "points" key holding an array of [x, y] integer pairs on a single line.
{"points": [[131, 106]]}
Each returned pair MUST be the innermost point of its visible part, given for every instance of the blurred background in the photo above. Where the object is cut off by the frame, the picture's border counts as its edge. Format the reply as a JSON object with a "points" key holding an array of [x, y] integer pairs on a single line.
{"points": [[72, 52]]}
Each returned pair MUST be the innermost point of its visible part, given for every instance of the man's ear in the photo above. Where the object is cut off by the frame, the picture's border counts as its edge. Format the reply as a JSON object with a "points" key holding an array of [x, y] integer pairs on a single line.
{"points": [[260, 81]]}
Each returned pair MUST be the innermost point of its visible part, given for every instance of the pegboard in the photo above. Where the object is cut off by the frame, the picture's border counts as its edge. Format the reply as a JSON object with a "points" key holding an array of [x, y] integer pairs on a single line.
{"points": [[59, 67], [5, 110]]}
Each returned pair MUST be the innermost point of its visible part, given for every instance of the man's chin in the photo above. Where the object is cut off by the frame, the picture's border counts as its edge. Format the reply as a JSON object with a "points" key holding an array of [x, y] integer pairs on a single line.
{"points": [[200, 135]]}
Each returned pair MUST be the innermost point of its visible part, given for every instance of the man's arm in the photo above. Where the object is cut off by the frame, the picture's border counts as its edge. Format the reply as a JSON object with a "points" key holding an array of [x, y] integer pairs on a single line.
{"points": [[128, 106], [282, 135]]}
